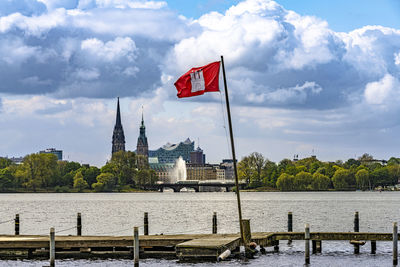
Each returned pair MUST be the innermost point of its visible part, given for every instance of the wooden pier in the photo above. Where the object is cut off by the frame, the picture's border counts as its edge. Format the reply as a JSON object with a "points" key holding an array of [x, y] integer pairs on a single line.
{"points": [[183, 247]]}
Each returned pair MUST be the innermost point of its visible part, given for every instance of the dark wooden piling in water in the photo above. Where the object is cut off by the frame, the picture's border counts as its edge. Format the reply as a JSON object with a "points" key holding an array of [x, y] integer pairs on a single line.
{"points": [[16, 224], [307, 244], [79, 224], [52, 247], [246, 231], [395, 239], [290, 225], [136, 246], [146, 223], [373, 246], [356, 229], [214, 223]]}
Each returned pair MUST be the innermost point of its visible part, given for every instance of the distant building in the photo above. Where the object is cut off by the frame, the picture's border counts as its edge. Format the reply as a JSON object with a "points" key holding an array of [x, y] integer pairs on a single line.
{"points": [[200, 172], [58, 153], [163, 170], [142, 147], [197, 156], [227, 165], [169, 153], [15, 160], [118, 138]]}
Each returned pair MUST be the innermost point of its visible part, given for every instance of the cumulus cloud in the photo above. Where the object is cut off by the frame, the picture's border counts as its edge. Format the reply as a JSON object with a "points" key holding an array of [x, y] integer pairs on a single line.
{"points": [[83, 4], [111, 50], [383, 91], [271, 48]]}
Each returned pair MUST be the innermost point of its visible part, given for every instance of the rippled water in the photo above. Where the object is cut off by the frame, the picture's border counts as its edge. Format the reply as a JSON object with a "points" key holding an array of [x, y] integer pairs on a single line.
{"points": [[116, 214]]}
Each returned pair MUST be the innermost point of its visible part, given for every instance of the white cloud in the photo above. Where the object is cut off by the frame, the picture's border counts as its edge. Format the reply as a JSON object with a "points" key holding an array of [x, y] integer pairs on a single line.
{"points": [[397, 58], [111, 50], [382, 92], [87, 74], [121, 4]]}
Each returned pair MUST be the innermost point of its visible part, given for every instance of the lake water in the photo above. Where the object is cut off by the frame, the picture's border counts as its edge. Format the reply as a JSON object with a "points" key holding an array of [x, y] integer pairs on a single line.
{"points": [[170, 213]]}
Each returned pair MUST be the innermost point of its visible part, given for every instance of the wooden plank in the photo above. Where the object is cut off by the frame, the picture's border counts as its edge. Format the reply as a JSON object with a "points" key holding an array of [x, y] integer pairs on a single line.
{"points": [[206, 248]]}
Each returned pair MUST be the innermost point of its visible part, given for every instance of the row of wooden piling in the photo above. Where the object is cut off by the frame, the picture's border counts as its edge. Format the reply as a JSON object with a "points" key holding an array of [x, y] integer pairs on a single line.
{"points": [[316, 244], [145, 224]]}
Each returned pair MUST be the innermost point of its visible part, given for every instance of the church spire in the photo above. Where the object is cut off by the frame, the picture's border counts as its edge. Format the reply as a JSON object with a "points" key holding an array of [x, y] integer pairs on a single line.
{"points": [[118, 120], [142, 147], [118, 139]]}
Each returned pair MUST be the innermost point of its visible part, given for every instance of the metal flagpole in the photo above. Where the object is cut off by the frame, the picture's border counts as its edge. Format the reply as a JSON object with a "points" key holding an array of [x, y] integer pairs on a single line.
{"points": [[233, 152]]}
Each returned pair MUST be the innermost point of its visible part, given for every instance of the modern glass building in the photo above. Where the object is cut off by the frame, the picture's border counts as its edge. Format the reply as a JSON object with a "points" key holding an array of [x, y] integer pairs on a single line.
{"points": [[58, 153], [169, 153]]}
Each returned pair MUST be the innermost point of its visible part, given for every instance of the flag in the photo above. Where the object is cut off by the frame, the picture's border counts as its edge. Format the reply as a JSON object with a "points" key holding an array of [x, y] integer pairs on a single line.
{"points": [[199, 80]]}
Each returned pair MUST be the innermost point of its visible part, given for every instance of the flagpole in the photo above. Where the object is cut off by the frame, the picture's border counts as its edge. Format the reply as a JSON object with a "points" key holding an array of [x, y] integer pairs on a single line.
{"points": [[233, 152]]}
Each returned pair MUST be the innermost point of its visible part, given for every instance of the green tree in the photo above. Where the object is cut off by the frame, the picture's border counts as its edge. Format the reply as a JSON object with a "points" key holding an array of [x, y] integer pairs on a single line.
{"points": [[107, 180], [38, 170], [343, 179], [285, 182], [5, 162], [303, 181], [320, 182], [362, 179], [394, 173], [123, 166], [270, 173], [79, 182], [6, 179], [251, 169], [381, 177]]}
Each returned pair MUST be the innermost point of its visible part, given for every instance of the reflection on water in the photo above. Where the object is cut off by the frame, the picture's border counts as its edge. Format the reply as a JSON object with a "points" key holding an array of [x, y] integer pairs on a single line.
{"points": [[116, 214]]}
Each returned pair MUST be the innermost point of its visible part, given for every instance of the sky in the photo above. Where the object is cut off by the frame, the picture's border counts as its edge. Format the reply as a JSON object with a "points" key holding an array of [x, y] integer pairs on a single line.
{"points": [[304, 77]]}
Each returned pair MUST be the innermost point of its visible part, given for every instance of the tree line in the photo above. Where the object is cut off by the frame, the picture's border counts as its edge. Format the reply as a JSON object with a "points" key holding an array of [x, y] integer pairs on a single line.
{"points": [[363, 173], [43, 172]]}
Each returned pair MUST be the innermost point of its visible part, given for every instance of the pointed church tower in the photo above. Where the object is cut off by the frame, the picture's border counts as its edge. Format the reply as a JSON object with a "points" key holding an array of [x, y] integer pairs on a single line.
{"points": [[118, 139], [142, 147]]}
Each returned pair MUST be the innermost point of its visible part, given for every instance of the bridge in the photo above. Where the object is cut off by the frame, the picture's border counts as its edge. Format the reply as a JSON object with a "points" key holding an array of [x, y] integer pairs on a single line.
{"points": [[195, 185]]}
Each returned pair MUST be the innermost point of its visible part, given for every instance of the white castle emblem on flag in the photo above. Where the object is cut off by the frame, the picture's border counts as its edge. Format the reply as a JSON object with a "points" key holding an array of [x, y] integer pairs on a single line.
{"points": [[197, 80]]}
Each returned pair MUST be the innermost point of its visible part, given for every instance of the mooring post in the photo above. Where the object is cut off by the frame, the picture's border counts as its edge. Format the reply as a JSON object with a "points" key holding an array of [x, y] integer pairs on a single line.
{"points": [[214, 223], [136, 246], [146, 223], [307, 243], [356, 229], [373, 246], [52, 247], [319, 246], [290, 225], [314, 246], [16, 224], [79, 224], [395, 237]]}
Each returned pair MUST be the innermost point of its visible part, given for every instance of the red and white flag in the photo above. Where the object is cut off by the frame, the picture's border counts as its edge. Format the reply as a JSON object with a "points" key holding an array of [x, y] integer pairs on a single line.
{"points": [[199, 80]]}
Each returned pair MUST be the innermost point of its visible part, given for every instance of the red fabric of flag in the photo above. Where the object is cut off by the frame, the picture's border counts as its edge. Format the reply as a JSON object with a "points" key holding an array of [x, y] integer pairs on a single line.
{"points": [[199, 80]]}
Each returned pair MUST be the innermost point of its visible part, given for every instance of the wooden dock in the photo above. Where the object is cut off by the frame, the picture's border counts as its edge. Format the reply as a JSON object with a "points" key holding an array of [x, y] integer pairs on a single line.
{"points": [[183, 247]]}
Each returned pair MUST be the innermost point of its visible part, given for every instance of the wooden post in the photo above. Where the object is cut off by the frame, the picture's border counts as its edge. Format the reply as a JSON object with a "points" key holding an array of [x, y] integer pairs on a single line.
{"points": [[356, 229], [214, 223], [247, 231], [319, 246], [228, 109], [136, 246], [276, 246], [52, 247], [307, 244], [290, 225], [314, 246], [16, 224], [373, 246], [79, 224], [146, 223], [395, 237]]}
